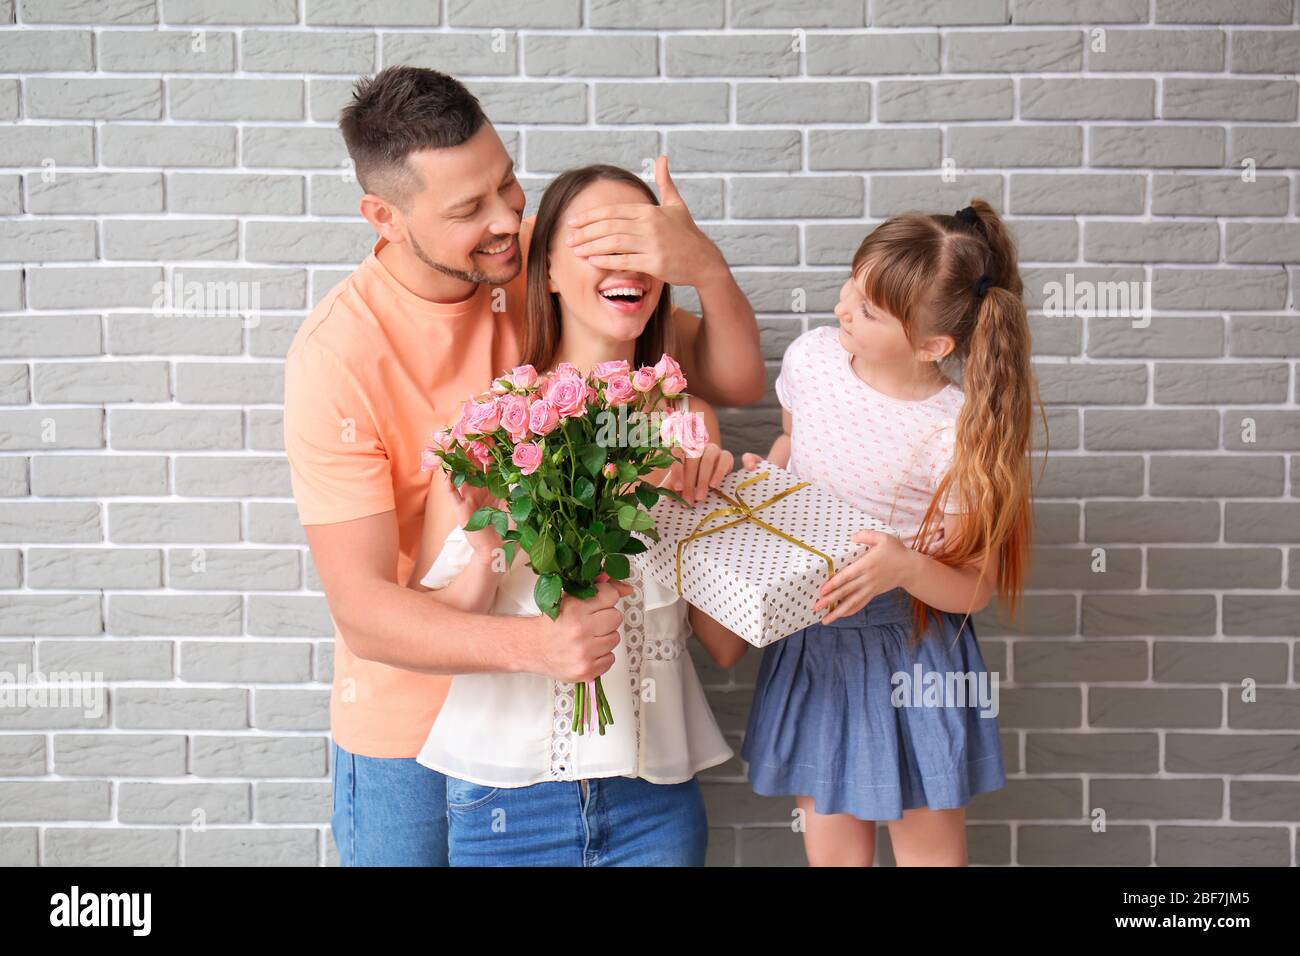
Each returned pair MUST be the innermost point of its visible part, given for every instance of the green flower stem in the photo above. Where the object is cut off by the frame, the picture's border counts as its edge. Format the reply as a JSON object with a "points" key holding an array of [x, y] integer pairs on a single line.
{"points": [[579, 698], [606, 714], [570, 519]]}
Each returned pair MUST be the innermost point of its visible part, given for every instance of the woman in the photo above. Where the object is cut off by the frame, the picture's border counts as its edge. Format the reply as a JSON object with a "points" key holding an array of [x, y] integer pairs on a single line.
{"points": [[523, 788]]}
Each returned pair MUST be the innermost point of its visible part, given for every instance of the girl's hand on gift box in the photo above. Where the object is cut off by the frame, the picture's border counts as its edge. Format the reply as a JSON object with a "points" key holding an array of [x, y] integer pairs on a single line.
{"points": [[886, 565]]}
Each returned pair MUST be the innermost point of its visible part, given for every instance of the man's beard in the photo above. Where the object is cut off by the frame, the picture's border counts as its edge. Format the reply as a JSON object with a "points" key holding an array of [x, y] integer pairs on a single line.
{"points": [[476, 276]]}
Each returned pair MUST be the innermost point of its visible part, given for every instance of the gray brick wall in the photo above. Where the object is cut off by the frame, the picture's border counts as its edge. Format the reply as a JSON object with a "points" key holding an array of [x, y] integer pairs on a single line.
{"points": [[146, 530]]}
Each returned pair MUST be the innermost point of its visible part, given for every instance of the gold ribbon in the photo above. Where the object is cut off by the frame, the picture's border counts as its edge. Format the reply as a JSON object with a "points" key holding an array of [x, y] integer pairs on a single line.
{"points": [[746, 511]]}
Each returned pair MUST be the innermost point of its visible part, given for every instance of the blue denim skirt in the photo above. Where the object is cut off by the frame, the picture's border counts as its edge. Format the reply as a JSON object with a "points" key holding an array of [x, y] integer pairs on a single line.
{"points": [[855, 716]]}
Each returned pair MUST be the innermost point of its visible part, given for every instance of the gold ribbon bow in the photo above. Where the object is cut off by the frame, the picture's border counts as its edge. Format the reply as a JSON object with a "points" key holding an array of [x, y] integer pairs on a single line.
{"points": [[746, 511]]}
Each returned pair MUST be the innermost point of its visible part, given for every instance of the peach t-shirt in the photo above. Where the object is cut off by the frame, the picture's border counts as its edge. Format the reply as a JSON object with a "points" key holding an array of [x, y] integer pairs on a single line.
{"points": [[371, 372]]}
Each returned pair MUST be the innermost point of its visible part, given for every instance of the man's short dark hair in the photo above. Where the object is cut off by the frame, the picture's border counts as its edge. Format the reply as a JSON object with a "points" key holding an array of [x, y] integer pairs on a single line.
{"points": [[400, 110]]}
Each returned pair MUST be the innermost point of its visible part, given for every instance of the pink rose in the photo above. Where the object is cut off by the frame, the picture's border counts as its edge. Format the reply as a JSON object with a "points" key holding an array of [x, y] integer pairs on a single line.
{"points": [[686, 429], [670, 428], [499, 387], [604, 371], [619, 390], [428, 460], [478, 453], [610, 470], [694, 434], [645, 378], [542, 417], [527, 457], [482, 418], [569, 396], [566, 370], [465, 409], [554, 379], [667, 365], [523, 376], [514, 417], [674, 384]]}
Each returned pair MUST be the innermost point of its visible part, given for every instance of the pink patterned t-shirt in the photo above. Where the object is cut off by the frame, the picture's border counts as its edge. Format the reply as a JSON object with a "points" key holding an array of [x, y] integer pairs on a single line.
{"points": [[885, 455]]}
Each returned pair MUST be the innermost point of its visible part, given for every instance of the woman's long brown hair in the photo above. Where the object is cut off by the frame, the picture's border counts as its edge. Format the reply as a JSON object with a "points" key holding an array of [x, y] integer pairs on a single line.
{"points": [[543, 322], [923, 269]]}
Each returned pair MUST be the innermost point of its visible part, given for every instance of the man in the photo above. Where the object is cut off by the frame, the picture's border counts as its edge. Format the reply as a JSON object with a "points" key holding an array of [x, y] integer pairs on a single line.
{"points": [[429, 318]]}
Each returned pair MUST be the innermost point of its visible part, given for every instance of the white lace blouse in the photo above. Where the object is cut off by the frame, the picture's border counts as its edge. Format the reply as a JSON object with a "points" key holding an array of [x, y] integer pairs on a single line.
{"points": [[513, 730]]}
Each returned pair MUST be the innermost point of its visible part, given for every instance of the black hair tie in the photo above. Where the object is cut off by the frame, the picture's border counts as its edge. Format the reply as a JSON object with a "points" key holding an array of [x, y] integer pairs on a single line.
{"points": [[968, 214], [982, 285]]}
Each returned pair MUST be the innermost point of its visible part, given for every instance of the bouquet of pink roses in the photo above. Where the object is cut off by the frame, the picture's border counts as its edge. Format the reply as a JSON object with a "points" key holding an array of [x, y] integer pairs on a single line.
{"points": [[566, 452]]}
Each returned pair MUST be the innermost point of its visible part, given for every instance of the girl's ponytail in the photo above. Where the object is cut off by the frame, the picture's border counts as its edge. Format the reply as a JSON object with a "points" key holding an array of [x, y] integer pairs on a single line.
{"points": [[989, 480]]}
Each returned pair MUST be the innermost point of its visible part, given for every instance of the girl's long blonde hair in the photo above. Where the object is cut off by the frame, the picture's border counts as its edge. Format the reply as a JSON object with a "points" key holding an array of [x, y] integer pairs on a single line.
{"points": [[929, 271]]}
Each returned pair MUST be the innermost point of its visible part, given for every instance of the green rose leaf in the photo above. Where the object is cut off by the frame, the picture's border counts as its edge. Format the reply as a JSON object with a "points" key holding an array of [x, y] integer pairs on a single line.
{"points": [[675, 496], [593, 459], [563, 555], [543, 555], [547, 592], [480, 518], [528, 537], [616, 566]]}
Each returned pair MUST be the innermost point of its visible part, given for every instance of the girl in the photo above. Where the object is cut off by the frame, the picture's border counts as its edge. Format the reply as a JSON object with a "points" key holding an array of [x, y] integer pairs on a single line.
{"points": [[523, 788], [872, 414]]}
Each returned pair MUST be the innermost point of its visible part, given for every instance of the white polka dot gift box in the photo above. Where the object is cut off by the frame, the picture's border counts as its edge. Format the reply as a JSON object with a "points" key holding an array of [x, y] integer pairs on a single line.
{"points": [[753, 554]]}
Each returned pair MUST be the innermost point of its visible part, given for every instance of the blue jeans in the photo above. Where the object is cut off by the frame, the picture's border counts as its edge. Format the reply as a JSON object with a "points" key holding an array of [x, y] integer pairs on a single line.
{"points": [[610, 821], [388, 811]]}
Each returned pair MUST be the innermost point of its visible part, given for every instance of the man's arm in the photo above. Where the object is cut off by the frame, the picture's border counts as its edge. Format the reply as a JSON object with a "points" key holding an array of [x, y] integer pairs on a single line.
{"points": [[720, 354], [383, 621]]}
